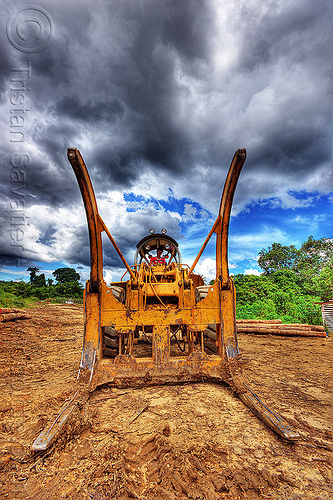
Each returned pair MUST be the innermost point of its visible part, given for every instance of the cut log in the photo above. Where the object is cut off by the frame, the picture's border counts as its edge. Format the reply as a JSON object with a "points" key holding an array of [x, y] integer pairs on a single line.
{"points": [[264, 321], [303, 325], [260, 326], [210, 334], [271, 327], [6, 310], [282, 330], [13, 316], [200, 293], [118, 292], [317, 328]]}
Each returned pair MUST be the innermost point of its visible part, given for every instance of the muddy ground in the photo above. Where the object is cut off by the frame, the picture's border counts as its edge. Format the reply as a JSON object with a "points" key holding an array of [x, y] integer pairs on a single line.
{"points": [[194, 441]]}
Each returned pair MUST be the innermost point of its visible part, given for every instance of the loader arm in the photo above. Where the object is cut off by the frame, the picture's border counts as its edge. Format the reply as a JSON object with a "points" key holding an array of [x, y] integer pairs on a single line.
{"points": [[222, 229], [94, 226]]}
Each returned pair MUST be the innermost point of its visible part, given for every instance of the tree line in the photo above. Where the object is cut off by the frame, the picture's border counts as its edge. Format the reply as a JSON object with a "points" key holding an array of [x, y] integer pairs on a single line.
{"points": [[66, 284], [292, 282]]}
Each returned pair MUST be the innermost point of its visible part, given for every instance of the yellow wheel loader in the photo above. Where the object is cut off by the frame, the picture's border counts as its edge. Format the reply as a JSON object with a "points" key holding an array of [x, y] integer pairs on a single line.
{"points": [[155, 325]]}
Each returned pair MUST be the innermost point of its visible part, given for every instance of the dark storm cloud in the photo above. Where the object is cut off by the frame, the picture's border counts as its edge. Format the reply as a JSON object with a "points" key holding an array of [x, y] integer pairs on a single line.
{"points": [[294, 38], [89, 111], [5, 65], [159, 89], [123, 77], [44, 185], [11, 259], [134, 85], [186, 27], [274, 32]]}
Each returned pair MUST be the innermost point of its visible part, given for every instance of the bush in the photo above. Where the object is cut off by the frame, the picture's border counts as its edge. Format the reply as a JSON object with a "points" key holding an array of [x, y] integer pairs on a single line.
{"points": [[22, 294], [8, 299], [275, 296]]}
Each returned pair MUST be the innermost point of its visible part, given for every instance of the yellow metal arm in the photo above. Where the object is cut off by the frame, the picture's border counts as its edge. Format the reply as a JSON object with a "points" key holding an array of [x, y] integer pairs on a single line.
{"points": [[94, 227], [222, 229]]}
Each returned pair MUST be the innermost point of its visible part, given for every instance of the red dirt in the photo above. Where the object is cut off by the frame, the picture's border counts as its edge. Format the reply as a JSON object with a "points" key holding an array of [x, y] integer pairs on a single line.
{"points": [[194, 441]]}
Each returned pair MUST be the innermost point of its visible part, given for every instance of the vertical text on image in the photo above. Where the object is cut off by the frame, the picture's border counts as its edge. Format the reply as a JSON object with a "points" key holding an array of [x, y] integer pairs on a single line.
{"points": [[19, 160]]}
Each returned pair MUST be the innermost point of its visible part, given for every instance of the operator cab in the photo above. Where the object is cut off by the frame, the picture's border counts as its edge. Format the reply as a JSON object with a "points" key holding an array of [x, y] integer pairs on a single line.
{"points": [[157, 249]]}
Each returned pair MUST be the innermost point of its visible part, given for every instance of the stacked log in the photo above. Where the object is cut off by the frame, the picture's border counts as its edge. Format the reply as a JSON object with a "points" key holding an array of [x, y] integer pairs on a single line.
{"points": [[264, 321], [12, 314], [272, 327], [276, 327]]}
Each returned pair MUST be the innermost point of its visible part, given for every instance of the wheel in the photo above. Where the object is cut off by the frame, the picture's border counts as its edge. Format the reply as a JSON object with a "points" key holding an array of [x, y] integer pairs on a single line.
{"points": [[111, 342]]}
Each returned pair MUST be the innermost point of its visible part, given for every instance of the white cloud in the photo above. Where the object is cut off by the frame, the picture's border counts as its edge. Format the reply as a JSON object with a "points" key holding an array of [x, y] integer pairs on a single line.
{"points": [[12, 271], [189, 212], [207, 269], [108, 276], [301, 220], [252, 271]]}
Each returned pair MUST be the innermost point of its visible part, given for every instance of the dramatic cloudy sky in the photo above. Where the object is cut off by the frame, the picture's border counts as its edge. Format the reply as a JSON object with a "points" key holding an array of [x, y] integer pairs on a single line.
{"points": [[158, 95]]}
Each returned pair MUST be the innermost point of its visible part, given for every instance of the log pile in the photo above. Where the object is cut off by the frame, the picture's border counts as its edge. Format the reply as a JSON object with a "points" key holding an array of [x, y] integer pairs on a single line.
{"points": [[259, 321], [276, 327], [12, 314], [272, 327]]}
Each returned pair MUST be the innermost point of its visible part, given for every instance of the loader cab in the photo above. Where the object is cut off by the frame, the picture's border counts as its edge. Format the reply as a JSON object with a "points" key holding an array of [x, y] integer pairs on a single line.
{"points": [[159, 270], [148, 248]]}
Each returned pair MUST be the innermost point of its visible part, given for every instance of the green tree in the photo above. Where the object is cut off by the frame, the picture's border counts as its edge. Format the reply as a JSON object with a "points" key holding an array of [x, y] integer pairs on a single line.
{"points": [[314, 267], [33, 272], [73, 289], [23, 289], [318, 283], [277, 257], [314, 254], [275, 296], [34, 279], [66, 275], [40, 280], [311, 265]]}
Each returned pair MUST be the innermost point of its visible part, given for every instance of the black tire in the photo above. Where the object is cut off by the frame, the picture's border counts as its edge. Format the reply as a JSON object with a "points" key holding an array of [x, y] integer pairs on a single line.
{"points": [[111, 342]]}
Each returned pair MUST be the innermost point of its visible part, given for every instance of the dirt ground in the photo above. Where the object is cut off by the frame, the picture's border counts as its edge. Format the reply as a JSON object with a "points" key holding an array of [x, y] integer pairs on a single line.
{"points": [[194, 441]]}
